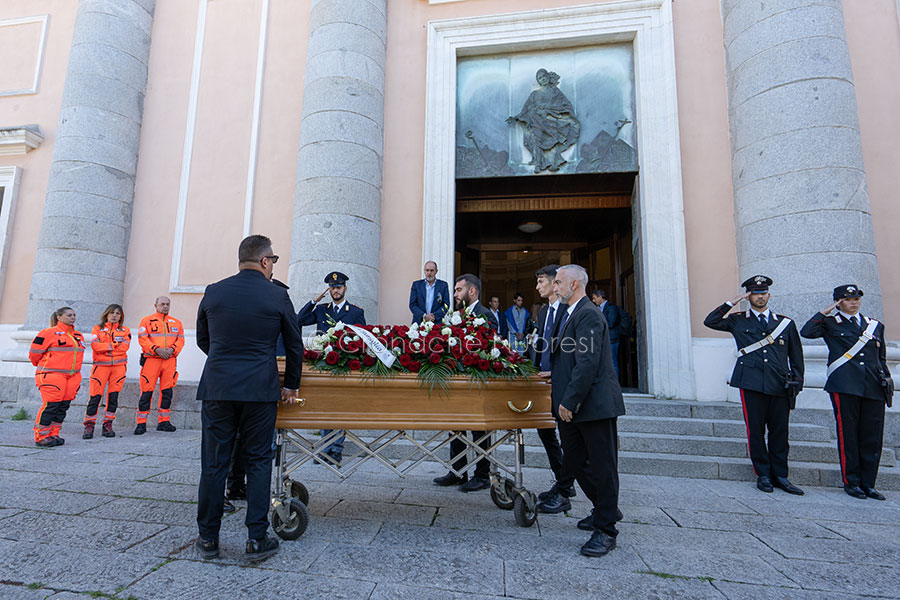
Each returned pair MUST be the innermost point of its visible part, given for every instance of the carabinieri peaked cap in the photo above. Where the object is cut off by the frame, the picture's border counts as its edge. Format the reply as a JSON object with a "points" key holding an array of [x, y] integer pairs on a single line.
{"points": [[336, 278], [847, 291], [758, 284]]}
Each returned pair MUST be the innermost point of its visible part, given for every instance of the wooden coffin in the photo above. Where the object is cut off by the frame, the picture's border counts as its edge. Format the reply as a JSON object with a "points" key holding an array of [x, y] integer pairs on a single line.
{"points": [[400, 402]]}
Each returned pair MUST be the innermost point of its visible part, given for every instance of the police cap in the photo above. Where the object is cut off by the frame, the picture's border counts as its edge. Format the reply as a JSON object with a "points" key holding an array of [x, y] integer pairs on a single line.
{"points": [[336, 278], [758, 284], [847, 291]]}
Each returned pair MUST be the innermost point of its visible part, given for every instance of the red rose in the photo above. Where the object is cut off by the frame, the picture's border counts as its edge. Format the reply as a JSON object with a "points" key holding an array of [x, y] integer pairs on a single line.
{"points": [[354, 347], [503, 350], [469, 360], [405, 360], [414, 366], [451, 364], [483, 364], [368, 361], [354, 365], [438, 348], [434, 359], [497, 366], [332, 358]]}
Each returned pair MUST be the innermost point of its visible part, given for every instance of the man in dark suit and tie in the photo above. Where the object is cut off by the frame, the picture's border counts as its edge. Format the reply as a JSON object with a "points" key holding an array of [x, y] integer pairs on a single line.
{"points": [[238, 324], [429, 297], [466, 293], [617, 318], [494, 307], [325, 316], [587, 401], [556, 499]]}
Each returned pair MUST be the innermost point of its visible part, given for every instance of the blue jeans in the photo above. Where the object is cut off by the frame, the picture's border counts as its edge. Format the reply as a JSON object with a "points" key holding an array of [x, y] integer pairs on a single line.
{"points": [[615, 355]]}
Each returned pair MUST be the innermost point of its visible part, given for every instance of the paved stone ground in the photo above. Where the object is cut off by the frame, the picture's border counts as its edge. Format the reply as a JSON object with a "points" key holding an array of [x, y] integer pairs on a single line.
{"points": [[114, 518]]}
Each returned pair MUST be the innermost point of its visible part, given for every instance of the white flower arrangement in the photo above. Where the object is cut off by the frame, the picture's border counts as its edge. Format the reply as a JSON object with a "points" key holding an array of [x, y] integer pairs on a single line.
{"points": [[452, 341], [495, 353], [413, 334], [376, 331], [456, 319], [479, 321], [327, 349], [339, 326], [427, 326], [446, 331]]}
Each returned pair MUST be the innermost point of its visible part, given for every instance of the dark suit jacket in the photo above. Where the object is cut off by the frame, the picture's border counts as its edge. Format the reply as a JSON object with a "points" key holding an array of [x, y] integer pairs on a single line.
{"points": [[504, 326], [238, 324], [534, 350], [319, 314], [619, 321], [767, 369], [417, 296], [582, 376], [861, 375], [483, 311]]}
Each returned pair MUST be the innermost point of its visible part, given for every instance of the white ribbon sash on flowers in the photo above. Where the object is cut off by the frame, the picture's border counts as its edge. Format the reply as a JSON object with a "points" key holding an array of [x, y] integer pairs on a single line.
{"points": [[384, 355]]}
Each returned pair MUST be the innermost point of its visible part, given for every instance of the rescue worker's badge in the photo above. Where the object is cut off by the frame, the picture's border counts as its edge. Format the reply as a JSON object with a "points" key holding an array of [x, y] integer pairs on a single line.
{"points": [[174, 330]]}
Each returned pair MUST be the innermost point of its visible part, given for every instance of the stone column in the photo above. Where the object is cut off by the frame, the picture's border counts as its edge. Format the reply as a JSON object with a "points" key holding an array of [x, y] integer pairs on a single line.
{"points": [[800, 201], [337, 197], [81, 250]]}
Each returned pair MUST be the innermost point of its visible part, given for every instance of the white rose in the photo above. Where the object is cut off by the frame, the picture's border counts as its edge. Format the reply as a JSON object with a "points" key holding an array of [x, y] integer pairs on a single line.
{"points": [[428, 326], [355, 338], [469, 338], [452, 341], [478, 321], [446, 331], [416, 345], [328, 349], [456, 319], [412, 334], [495, 353], [506, 343], [387, 330], [376, 331], [339, 326], [397, 351]]}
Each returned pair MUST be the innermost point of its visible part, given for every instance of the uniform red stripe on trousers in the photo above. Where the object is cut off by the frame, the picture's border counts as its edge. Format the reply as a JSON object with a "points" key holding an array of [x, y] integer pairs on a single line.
{"points": [[840, 427], [747, 426]]}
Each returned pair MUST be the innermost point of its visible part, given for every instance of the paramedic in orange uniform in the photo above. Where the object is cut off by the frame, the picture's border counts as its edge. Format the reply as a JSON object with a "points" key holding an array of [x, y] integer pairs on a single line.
{"points": [[57, 352], [109, 341], [161, 338]]}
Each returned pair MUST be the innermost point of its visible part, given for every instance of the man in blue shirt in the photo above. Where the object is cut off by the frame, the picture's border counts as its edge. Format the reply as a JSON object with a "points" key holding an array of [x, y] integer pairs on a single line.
{"points": [[429, 297]]}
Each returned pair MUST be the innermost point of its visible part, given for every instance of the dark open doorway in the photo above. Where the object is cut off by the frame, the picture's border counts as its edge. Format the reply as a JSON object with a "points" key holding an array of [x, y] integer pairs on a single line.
{"points": [[508, 227]]}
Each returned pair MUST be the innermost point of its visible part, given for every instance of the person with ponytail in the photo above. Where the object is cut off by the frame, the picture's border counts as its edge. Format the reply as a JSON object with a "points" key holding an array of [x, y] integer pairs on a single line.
{"points": [[57, 352], [110, 340]]}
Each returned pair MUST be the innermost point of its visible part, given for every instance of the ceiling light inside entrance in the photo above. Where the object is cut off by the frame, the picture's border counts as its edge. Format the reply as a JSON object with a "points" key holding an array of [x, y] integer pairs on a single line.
{"points": [[530, 227]]}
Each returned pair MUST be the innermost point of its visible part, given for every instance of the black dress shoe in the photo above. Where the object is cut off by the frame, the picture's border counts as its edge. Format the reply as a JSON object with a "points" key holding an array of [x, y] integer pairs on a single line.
{"points": [[475, 484], [228, 507], [599, 544], [555, 489], [764, 484], [207, 548], [165, 426], [140, 429], [261, 549], [872, 493], [236, 493], [786, 485], [587, 523], [450, 479], [855, 491], [554, 504]]}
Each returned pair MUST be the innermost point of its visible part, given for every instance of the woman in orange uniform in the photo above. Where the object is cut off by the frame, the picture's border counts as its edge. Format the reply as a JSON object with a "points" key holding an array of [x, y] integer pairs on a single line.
{"points": [[57, 352], [109, 341]]}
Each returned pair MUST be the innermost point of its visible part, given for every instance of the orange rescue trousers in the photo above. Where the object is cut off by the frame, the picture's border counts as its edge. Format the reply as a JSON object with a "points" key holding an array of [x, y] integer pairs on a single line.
{"points": [[101, 375], [57, 392], [157, 369]]}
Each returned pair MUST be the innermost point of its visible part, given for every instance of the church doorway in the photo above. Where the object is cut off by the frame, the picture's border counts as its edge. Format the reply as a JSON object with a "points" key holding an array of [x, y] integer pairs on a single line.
{"points": [[508, 227]]}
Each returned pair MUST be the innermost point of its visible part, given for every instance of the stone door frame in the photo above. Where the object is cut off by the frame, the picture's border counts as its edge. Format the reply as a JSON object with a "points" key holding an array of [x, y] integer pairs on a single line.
{"points": [[647, 24]]}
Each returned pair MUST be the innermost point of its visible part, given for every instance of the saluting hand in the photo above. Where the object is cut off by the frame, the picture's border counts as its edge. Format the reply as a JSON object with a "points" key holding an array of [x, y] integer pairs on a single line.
{"points": [[564, 413], [318, 298], [825, 311], [740, 297]]}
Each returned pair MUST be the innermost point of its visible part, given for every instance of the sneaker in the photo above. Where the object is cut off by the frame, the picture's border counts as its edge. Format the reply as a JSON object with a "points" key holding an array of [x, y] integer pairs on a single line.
{"points": [[141, 429], [228, 507], [108, 430], [165, 426], [58, 441], [88, 431], [261, 549], [207, 548], [47, 442]]}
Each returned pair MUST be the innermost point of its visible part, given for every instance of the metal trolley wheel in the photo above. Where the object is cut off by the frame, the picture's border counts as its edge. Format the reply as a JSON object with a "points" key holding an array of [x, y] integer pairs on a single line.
{"points": [[297, 491], [525, 509], [504, 494], [297, 520]]}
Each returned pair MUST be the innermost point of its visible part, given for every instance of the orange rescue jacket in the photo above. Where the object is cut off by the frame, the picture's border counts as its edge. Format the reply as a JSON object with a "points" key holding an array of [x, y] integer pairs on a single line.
{"points": [[58, 349], [110, 344], [160, 331]]}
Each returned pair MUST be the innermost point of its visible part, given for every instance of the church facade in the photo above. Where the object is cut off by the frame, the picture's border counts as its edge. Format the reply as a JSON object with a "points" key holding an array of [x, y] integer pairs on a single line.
{"points": [[674, 148]]}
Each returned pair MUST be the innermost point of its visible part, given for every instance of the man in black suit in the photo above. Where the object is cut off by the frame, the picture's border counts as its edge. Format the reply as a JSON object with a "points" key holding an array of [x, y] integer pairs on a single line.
{"points": [[238, 324], [556, 499], [587, 401], [494, 307], [769, 373], [859, 384], [617, 318], [466, 293]]}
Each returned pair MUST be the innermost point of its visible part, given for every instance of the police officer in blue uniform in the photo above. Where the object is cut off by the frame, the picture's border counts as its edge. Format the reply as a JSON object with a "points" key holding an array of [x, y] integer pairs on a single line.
{"points": [[769, 374], [859, 384], [325, 316]]}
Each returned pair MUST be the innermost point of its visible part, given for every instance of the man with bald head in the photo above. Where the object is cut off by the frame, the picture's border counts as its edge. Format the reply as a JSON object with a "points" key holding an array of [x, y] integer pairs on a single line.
{"points": [[161, 337], [429, 297], [586, 401]]}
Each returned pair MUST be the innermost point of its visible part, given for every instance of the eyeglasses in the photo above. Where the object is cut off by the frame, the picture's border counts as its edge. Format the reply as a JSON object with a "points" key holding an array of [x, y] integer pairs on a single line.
{"points": [[273, 258]]}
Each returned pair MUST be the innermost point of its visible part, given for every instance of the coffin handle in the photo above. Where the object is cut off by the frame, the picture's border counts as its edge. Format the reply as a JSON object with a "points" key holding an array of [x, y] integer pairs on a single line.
{"points": [[521, 411]]}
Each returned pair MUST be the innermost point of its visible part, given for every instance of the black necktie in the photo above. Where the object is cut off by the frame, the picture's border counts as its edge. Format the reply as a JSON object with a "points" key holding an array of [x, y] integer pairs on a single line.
{"points": [[763, 321], [855, 322], [548, 334], [562, 323]]}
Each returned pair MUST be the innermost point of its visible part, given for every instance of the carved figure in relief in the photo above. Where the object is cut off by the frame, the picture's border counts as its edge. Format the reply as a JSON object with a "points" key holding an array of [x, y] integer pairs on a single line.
{"points": [[549, 121]]}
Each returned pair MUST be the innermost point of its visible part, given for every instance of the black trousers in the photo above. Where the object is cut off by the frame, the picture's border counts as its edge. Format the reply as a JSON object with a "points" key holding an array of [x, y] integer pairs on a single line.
{"points": [[762, 412], [860, 433], [221, 421], [565, 481], [590, 452], [238, 472], [165, 399], [482, 467], [112, 403]]}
